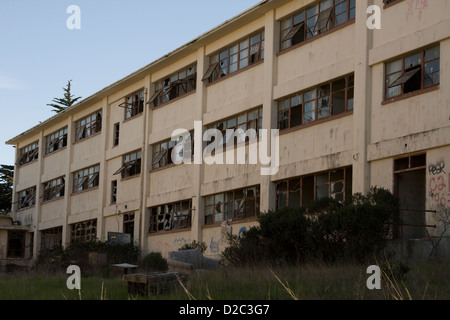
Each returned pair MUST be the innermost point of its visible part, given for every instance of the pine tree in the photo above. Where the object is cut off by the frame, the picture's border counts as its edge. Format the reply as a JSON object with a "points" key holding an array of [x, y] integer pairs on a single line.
{"points": [[6, 183], [61, 104]]}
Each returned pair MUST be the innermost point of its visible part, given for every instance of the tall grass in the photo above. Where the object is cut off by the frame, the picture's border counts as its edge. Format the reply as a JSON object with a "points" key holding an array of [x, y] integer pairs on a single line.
{"points": [[306, 282]]}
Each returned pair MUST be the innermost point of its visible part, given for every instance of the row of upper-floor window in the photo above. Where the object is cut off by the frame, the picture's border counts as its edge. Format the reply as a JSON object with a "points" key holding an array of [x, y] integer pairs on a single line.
{"points": [[411, 73]]}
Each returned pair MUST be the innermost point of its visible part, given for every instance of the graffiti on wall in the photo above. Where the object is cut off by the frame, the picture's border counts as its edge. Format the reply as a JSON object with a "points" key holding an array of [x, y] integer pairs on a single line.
{"points": [[438, 185], [214, 246], [416, 5]]}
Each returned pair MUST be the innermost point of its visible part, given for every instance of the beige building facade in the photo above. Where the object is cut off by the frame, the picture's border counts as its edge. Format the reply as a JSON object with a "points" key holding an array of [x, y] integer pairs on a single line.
{"points": [[355, 107]]}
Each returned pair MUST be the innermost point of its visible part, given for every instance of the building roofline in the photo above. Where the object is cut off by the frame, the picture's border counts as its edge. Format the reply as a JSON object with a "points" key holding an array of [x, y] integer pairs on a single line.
{"points": [[98, 96]]}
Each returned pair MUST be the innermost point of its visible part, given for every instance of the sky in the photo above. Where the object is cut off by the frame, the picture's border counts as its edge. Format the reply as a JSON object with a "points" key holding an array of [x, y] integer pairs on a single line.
{"points": [[39, 53]]}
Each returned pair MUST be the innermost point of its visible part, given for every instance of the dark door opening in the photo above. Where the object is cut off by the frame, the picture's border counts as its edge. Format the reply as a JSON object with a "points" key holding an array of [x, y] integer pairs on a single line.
{"points": [[410, 188]]}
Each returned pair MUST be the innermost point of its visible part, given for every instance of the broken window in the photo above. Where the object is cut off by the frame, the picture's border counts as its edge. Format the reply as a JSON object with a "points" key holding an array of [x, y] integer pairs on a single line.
{"points": [[236, 57], [86, 178], [315, 20], [51, 238], [128, 224], [242, 125], [114, 191], [27, 198], [386, 2], [116, 134], [16, 244], [175, 86], [83, 232], [173, 216], [54, 189], [297, 192], [162, 152], [413, 73], [133, 105], [232, 205], [88, 126], [56, 141], [322, 102], [131, 165], [28, 154]]}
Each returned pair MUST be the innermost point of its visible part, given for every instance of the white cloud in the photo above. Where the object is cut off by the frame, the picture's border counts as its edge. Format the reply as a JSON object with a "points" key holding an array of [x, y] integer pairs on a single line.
{"points": [[8, 83]]}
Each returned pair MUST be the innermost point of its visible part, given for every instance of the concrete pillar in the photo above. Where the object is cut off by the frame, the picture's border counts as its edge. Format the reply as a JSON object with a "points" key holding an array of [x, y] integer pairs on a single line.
{"points": [[267, 200], [363, 99]]}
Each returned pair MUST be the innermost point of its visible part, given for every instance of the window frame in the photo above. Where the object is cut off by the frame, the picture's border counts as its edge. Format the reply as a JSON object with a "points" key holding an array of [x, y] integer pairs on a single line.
{"points": [[26, 198], [223, 126], [163, 217], [130, 167], [243, 53], [287, 190], [88, 126], [54, 189], [404, 71], [162, 157], [28, 154], [56, 140], [133, 104], [116, 134], [86, 232], [238, 203], [88, 178], [290, 33], [171, 87], [316, 100]]}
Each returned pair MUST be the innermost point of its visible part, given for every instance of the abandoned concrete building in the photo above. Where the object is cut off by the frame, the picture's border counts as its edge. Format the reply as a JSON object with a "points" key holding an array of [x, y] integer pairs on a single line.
{"points": [[355, 107]]}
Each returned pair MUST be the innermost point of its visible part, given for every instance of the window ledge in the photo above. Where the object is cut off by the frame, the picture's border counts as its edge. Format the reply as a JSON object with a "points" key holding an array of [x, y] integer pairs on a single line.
{"points": [[133, 117], [26, 208], [237, 221], [160, 233], [87, 138], [84, 191], [317, 122], [52, 200], [130, 177], [53, 152], [26, 164], [392, 4], [175, 99], [352, 21], [411, 94], [235, 73]]}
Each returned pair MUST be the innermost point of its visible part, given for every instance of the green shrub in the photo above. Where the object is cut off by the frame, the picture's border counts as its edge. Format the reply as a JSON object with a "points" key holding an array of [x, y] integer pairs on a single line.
{"points": [[194, 245], [327, 231], [154, 262], [58, 258]]}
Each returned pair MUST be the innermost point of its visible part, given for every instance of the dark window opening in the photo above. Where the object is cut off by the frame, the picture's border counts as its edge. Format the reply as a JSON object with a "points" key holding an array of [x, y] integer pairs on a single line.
{"points": [[27, 198], [114, 191], [239, 56], [232, 205], [412, 73], [88, 126], [83, 232], [302, 192], [131, 165], [54, 189], [315, 20], [133, 105], [86, 178], [116, 134], [28, 154], [16, 244], [176, 85], [322, 102], [173, 216]]}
